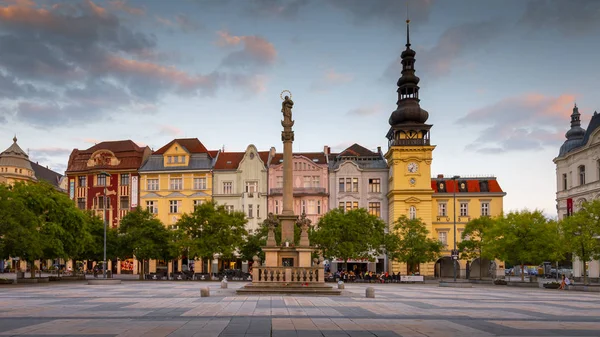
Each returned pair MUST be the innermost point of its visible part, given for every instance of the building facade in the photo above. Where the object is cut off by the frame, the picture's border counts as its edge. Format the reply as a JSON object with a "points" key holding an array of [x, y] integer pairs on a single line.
{"points": [[411, 190], [358, 178], [578, 175], [311, 184], [173, 181]]}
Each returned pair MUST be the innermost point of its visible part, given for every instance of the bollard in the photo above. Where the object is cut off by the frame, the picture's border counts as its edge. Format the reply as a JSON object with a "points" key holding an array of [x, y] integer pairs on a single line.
{"points": [[370, 292], [204, 292], [224, 284], [341, 285]]}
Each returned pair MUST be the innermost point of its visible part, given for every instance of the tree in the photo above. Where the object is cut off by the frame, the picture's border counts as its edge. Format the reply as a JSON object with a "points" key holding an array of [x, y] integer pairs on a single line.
{"points": [[520, 237], [412, 244], [210, 230], [253, 243], [94, 245], [474, 239], [144, 236], [47, 225], [353, 234], [582, 230]]}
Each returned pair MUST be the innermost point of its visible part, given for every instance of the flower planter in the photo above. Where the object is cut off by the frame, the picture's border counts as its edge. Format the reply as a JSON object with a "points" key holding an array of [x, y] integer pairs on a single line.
{"points": [[551, 285]]}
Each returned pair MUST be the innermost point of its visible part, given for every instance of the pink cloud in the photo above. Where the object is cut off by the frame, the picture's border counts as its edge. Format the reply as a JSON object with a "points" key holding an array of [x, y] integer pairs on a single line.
{"points": [[525, 122], [330, 79], [159, 72], [366, 110], [256, 50], [122, 5], [170, 130]]}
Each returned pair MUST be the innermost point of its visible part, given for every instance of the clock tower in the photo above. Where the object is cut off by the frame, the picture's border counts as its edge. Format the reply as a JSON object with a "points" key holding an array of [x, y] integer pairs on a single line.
{"points": [[409, 155]]}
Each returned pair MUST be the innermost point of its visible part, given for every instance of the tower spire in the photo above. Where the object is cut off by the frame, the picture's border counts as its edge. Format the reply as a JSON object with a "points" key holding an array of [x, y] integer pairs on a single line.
{"points": [[407, 27]]}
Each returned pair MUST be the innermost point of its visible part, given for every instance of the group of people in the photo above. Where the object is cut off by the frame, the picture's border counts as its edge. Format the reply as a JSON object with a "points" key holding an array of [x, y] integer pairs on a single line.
{"points": [[565, 282], [364, 276]]}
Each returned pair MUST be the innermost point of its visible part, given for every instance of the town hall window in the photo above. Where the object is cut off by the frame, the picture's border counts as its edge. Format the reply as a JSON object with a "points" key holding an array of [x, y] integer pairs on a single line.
{"points": [[412, 212], [564, 181], [485, 209], [442, 209], [101, 179], [581, 175], [464, 209]]}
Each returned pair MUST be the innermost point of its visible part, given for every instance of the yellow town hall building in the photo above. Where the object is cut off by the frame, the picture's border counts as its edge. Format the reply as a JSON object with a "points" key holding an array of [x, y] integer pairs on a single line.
{"points": [[413, 193]]}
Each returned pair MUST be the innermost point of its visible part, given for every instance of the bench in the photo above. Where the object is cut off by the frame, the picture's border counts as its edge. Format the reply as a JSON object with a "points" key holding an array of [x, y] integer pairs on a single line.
{"points": [[411, 279]]}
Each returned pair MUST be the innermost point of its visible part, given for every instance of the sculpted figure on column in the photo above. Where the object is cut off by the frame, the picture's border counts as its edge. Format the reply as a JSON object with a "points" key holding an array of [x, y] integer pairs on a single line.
{"points": [[286, 108]]}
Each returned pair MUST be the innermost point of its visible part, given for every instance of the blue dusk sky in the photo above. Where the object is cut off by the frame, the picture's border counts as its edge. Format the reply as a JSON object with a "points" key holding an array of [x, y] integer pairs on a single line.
{"points": [[499, 78]]}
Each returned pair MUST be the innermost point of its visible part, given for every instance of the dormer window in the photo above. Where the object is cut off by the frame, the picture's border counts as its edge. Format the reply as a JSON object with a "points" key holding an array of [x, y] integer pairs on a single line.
{"points": [[169, 159]]}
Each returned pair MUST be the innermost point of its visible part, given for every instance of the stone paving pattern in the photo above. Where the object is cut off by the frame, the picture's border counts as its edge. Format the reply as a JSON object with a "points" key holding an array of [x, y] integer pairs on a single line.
{"points": [[176, 309]]}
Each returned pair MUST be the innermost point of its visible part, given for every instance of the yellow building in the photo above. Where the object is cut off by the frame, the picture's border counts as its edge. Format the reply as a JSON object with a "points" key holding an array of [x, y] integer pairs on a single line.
{"points": [[413, 193], [174, 180]]}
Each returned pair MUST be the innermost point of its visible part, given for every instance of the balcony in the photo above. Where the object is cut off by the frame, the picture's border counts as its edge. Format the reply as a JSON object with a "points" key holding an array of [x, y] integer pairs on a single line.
{"points": [[300, 191], [409, 142]]}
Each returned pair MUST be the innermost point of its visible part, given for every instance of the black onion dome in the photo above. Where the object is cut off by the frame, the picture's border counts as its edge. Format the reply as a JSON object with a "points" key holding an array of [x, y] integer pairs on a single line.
{"points": [[408, 111], [575, 132], [408, 79]]}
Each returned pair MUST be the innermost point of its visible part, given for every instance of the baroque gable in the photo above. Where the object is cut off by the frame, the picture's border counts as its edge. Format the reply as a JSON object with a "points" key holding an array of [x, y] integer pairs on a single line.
{"points": [[103, 158]]}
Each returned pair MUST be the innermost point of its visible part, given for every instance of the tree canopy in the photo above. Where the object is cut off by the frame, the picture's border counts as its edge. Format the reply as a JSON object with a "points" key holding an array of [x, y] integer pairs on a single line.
{"points": [[582, 230], [353, 234], [210, 230], [474, 239], [144, 236], [411, 243]]}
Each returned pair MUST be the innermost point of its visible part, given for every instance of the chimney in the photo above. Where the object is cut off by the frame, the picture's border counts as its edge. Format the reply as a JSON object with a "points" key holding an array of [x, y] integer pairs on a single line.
{"points": [[326, 150], [440, 176], [379, 149]]}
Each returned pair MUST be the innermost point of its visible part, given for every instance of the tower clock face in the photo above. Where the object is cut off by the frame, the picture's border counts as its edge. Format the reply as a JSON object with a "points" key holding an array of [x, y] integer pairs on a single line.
{"points": [[413, 167]]}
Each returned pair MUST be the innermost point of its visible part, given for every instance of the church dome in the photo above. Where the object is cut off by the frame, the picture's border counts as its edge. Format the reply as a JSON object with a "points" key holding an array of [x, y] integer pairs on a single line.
{"points": [[409, 111], [575, 132]]}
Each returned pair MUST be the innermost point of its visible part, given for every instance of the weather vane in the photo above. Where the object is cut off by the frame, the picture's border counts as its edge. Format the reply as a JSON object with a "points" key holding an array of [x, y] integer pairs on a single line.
{"points": [[282, 96]]}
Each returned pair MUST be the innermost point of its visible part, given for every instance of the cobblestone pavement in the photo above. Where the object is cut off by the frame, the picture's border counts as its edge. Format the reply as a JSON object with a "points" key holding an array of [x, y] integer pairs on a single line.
{"points": [[176, 309]]}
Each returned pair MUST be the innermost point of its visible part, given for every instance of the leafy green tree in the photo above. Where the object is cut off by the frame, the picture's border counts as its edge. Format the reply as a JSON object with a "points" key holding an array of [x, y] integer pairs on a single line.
{"points": [[411, 243], [211, 230], [19, 226], [474, 240], [520, 237], [582, 230], [48, 225], [253, 243], [144, 236], [94, 245], [353, 234]]}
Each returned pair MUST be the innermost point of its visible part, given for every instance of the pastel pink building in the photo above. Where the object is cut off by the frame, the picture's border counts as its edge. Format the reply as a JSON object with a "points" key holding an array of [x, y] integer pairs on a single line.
{"points": [[311, 191]]}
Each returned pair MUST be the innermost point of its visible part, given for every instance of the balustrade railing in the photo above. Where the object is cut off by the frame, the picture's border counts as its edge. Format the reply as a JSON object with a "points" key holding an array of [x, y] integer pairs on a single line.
{"points": [[287, 274]]}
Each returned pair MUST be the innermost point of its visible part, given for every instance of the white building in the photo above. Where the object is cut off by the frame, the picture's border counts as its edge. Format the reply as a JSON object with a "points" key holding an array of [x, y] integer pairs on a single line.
{"points": [[578, 175]]}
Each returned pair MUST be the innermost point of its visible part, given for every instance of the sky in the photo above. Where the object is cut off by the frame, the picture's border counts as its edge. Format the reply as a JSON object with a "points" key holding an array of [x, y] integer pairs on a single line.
{"points": [[498, 78]]}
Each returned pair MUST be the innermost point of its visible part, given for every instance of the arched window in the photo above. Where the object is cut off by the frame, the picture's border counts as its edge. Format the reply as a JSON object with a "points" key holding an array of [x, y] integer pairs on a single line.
{"points": [[582, 175], [412, 212]]}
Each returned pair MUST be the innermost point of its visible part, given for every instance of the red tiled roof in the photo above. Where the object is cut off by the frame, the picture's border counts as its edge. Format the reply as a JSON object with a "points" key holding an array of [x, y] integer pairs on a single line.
{"points": [[264, 156], [318, 156], [472, 185], [229, 160], [213, 153], [192, 145], [130, 155], [358, 151]]}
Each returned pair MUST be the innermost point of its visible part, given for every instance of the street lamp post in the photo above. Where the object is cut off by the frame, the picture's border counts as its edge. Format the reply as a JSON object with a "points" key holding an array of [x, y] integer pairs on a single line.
{"points": [[104, 217], [454, 252]]}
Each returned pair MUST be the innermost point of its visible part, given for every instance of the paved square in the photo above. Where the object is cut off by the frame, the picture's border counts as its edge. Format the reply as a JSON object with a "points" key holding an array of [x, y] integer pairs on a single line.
{"points": [[176, 309]]}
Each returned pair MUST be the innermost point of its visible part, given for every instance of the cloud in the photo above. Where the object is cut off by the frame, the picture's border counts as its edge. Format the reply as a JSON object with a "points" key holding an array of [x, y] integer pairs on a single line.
{"points": [[286, 9], [573, 17], [75, 61], [256, 51], [123, 6], [528, 122], [454, 43], [330, 79], [365, 111], [50, 151], [181, 22], [170, 130], [392, 12]]}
